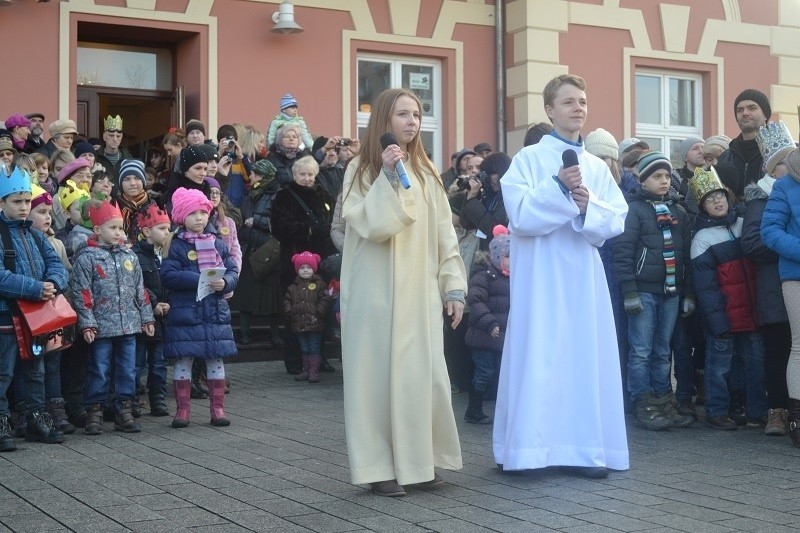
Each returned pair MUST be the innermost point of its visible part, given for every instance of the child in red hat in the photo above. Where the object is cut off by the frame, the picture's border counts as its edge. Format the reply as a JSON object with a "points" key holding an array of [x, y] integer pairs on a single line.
{"points": [[306, 304], [112, 307]]}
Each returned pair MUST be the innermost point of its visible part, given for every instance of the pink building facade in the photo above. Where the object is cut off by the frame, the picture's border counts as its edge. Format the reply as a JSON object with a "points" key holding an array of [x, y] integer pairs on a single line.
{"points": [[657, 70]]}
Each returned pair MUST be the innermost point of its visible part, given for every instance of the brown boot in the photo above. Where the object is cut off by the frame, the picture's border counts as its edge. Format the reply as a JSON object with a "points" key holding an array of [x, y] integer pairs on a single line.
{"points": [[183, 391], [94, 420], [216, 396], [124, 421], [794, 421]]}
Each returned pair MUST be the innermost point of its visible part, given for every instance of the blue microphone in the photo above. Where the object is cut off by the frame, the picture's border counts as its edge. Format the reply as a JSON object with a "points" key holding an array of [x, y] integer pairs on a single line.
{"points": [[387, 139]]}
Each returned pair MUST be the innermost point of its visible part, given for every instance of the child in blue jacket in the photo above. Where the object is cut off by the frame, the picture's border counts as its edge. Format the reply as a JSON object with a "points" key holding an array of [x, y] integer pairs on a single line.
{"points": [[37, 274], [197, 328]]}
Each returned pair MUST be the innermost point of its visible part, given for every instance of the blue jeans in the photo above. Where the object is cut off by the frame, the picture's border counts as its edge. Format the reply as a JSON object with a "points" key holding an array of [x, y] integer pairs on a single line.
{"points": [[681, 345], [150, 355], [52, 375], [310, 342], [32, 370], [719, 358], [486, 363], [649, 333], [122, 350]]}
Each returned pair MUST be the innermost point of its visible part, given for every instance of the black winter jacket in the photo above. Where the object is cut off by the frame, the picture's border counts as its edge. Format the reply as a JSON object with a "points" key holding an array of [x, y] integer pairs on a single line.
{"points": [[748, 170], [484, 214], [151, 276], [489, 301], [769, 294], [638, 253]]}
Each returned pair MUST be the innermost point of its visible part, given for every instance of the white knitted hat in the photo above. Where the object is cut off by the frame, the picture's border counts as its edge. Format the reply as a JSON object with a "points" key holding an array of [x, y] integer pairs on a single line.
{"points": [[601, 143]]}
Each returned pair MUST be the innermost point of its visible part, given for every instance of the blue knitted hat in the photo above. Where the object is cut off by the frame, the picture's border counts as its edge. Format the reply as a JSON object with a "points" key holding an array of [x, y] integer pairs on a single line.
{"points": [[287, 100]]}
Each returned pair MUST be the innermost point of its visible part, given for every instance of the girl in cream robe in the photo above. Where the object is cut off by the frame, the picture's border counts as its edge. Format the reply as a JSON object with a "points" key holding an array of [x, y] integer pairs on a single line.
{"points": [[400, 261]]}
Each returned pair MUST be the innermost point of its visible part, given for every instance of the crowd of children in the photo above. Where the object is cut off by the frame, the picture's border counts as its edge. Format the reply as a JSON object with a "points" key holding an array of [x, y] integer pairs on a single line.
{"points": [[149, 256]]}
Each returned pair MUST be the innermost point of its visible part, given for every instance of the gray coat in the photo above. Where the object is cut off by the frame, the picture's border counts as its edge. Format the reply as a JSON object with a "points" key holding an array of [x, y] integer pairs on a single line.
{"points": [[107, 290]]}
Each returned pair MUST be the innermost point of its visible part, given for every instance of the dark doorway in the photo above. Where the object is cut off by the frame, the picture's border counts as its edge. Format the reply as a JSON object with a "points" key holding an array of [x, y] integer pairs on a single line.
{"points": [[146, 115]]}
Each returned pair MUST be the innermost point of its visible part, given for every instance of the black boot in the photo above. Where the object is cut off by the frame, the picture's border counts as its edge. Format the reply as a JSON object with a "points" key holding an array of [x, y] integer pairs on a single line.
{"points": [[736, 410], [475, 414], [40, 429], [7, 443], [59, 415], [19, 419], [158, 405], [794, 422], [199, 390]]}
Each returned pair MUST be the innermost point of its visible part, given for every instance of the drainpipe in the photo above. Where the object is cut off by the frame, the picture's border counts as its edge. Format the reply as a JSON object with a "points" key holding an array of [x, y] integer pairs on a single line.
{"points": [[500, 62]]}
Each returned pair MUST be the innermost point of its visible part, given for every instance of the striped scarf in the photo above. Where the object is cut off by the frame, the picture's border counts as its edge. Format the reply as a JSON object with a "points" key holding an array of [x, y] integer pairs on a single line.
{"points": [[665, 221], [207, 256]]}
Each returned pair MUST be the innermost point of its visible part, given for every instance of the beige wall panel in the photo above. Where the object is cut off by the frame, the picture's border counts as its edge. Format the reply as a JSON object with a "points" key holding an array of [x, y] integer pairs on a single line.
{"points": [[404, 15], [531, 76], [142, 4], [786, 41], [789, 71], [460, 12], [549, 14], [536, 45], [674, 26], [789, 13], [719, 30], [784, 99]]}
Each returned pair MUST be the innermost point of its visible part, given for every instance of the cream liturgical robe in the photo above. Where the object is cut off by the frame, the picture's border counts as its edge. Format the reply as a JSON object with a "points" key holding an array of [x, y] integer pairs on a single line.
{"points": [[400, 258], [560, 398]]}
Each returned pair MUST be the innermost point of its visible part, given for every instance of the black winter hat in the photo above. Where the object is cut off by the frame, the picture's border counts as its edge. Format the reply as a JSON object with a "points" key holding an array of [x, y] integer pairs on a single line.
{"points": [[756, 96], [225, 131], [496, 163], [190, 156]]}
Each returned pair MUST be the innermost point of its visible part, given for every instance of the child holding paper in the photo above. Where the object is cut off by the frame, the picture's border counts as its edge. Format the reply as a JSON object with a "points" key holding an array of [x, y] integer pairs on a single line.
{"points": [[197, 328]]}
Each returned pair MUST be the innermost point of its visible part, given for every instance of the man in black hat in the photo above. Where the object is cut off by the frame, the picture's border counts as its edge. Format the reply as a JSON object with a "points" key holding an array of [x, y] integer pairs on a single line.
{"points": [[752, 110], [35, 140]]}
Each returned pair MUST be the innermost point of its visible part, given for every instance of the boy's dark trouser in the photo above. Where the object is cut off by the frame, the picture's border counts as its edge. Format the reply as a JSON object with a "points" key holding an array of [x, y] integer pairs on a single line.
{"points": [[74, 367], [150, 355], [777, 346], [32, 371]]}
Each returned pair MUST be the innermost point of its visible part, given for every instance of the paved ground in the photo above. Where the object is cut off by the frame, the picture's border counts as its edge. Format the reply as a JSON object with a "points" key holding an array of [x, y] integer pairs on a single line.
{"points": [[282, 466]]}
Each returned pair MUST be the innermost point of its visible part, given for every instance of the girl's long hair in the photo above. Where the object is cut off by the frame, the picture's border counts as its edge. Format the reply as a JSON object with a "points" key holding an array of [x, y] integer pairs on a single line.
{"points": [[370, 161]]}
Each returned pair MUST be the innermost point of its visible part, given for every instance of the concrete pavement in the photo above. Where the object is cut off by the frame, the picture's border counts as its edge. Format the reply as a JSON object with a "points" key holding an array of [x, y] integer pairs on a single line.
{"points": [[282, 466]]}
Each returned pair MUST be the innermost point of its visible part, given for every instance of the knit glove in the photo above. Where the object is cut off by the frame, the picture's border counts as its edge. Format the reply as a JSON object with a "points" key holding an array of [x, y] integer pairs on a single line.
{"points": [[688, 306], [633, 304]]}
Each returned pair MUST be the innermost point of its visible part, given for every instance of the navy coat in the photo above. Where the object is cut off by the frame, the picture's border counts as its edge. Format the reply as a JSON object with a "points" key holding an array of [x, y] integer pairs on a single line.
{"points": [[196, 329], [769, 294]]}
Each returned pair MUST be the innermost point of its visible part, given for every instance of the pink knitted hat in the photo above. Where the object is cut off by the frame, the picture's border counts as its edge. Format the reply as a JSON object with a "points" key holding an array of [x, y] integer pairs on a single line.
{"points": [[306, 258], [187, 201]]}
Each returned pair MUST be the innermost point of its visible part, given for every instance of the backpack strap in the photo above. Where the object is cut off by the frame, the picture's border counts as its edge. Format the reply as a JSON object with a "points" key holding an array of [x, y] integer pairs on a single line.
{"points": [[9, 254]]}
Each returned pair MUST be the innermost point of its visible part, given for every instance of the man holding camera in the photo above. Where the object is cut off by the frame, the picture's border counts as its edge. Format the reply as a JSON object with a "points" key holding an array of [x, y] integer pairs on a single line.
{"points": [[483, 207], [234, 167], [331, 168]]}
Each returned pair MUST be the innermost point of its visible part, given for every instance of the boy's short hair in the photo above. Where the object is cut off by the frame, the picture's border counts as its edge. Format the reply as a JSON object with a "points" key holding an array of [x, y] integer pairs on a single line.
{"points": [[552, 87], [307, 162]]}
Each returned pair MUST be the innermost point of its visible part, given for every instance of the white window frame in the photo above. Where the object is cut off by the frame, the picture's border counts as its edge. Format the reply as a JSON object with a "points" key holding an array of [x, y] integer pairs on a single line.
{"points": [[666, 132], [430, 123]]}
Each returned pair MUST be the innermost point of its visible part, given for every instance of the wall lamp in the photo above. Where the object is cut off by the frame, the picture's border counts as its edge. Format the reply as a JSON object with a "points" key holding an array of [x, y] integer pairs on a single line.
{"points": [[284, 19]]}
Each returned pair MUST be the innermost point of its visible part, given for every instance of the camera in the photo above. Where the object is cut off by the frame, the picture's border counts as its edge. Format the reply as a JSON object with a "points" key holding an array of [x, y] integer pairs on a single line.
{"points": [[231, 149], [482, 177], [344, 142]]}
